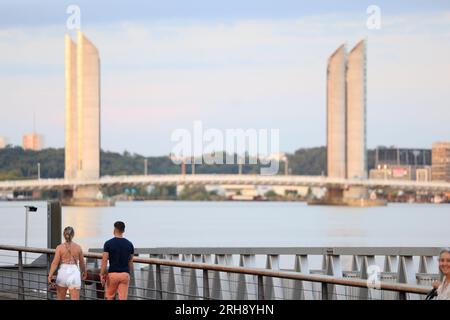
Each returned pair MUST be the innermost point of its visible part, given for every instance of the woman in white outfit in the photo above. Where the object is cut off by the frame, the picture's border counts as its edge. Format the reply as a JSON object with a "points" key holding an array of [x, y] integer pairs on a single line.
{"points": [[443, 288], [67, 256]]}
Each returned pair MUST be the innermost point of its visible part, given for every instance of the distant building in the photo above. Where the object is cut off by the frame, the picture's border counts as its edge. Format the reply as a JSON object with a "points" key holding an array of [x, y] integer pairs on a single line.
{"points": [[401, 172], [387, 172], [33, 141], [423, 174], [440, 168], [402, 157], [401, 164], [2, 142]]}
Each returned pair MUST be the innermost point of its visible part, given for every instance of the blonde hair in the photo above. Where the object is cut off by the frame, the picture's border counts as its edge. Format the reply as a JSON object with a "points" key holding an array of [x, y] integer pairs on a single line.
{"points": [[68, 233]]}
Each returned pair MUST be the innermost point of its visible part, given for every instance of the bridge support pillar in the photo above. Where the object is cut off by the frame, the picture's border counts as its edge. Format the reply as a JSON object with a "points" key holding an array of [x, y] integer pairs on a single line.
{"points": [[85, 196], [357, 196]]}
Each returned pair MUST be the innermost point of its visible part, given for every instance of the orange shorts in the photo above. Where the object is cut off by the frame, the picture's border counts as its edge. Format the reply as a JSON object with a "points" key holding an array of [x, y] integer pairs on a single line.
{"points": [[117, 282]]}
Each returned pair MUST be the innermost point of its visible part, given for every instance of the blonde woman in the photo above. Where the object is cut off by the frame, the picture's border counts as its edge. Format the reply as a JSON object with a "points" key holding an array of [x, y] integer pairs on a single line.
{"points": [[443, 288], [67, 256]]}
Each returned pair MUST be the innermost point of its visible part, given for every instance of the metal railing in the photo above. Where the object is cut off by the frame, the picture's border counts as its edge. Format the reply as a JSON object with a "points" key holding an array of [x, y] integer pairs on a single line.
{"points": [[156, 278]]}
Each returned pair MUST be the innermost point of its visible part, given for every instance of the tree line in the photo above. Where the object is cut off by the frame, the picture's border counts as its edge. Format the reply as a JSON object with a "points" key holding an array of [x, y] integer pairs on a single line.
{"points": [[17, 163]]}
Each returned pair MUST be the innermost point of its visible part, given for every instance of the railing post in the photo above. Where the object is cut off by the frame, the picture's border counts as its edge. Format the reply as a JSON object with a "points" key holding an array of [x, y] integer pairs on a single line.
{"points": [[175, 283], [324, 291], [192, 289], [260, 288], [151, 282], [158, 282], [302, 289], [48, 255], [20, 282], [274, 287], [247, 283], [205, 284], [221, 284], [406, 274]]}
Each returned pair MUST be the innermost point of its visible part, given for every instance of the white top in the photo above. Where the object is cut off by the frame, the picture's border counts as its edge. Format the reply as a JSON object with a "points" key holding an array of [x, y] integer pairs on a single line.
{"points": [[443, 293]]}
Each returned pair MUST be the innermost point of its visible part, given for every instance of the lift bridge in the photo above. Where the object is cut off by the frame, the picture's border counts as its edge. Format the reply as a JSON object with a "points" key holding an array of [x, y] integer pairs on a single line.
{"points": [[222, 179]]}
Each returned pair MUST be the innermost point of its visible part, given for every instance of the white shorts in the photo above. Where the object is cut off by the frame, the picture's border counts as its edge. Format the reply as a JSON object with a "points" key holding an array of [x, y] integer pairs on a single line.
{"points": [[69, 276]]}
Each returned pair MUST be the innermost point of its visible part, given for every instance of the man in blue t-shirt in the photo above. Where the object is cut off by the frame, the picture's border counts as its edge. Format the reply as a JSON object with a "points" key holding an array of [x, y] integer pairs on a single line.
{"points": [[119, 251]]}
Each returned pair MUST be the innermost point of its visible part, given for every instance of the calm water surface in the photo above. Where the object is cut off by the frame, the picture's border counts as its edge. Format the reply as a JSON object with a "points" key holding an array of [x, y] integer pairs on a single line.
{"points": [[253, 224]]}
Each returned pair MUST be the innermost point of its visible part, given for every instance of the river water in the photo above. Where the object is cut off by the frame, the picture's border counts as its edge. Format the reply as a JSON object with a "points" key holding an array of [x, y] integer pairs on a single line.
{"points": [[240, 224]]}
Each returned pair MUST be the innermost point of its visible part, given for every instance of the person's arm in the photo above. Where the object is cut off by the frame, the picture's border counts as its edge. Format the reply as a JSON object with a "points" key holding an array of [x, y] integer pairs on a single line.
{"points": [[82, 265], [54, 265], [130, 259], [130, 262], [105, 258]]}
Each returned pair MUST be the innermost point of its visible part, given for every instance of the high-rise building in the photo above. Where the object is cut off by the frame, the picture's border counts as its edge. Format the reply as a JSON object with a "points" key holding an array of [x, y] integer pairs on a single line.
{"points": [[346, 113], [356, 112], [82, 65], [32, 141], [440, 161], [336, 114]]}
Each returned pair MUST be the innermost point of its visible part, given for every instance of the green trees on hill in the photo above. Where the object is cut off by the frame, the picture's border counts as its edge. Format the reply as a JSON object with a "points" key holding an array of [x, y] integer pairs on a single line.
{"points": [[16, 163]]}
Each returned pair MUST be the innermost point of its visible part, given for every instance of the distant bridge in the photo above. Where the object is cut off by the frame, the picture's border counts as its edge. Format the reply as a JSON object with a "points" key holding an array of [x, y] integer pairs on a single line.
{"points": [[221, 179]]}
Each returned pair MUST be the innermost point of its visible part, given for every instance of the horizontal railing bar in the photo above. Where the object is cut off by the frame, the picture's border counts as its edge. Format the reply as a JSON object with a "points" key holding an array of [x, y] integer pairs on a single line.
{"points": [[377, 251]]}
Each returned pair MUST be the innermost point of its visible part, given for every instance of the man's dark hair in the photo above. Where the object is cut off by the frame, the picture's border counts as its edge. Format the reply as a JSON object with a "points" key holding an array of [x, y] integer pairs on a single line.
{"points": [[119, 225]]}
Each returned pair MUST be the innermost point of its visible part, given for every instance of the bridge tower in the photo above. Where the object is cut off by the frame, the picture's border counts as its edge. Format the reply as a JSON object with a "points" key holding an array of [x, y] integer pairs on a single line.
{"points": [[82, 120], [346, 124]]}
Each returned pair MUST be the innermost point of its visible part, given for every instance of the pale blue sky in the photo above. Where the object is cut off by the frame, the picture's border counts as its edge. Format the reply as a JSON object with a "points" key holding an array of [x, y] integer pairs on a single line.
{"points": [[231, 64]]}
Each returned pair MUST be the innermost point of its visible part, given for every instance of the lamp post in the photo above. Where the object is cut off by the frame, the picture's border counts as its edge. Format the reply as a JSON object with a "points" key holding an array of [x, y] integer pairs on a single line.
{"points": [[28, 209], [286, 165], [39, 170]]}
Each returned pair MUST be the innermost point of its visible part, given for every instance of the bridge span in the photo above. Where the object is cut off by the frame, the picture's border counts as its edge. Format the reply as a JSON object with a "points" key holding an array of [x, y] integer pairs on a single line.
{"points": [[221, 179]]}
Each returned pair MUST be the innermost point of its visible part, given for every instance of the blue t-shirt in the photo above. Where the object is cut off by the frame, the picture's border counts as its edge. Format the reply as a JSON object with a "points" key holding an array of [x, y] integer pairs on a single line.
{"points": [[119, 250]]}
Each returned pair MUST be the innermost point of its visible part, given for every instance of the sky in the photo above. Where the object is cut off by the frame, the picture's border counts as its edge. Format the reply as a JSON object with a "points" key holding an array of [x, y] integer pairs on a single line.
{"points": [[254, 64]]}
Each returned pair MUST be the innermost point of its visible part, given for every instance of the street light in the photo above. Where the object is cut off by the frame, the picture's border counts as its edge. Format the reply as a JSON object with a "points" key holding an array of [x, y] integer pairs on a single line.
{"points": [[286, 165], [27, 210]]}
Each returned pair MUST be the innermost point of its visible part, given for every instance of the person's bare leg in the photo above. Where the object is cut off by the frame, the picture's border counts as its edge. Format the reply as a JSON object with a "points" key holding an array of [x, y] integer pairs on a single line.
{"points": [[111, 286], [61, 293], [74, 294], [122, 289]]}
